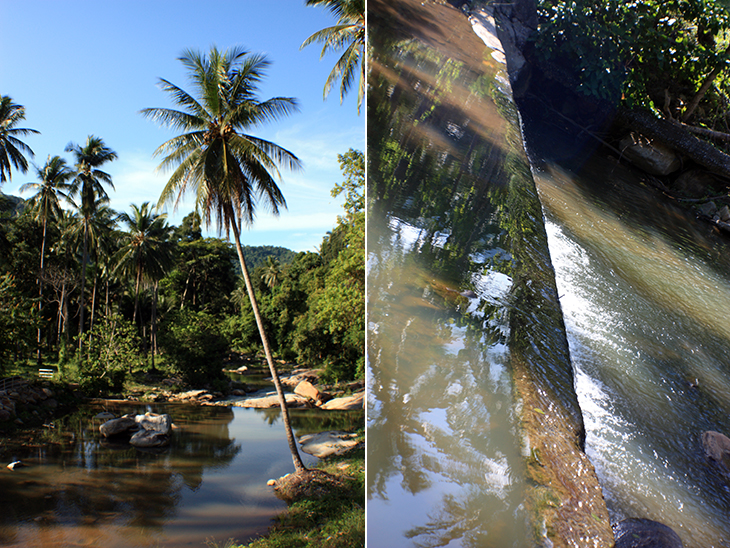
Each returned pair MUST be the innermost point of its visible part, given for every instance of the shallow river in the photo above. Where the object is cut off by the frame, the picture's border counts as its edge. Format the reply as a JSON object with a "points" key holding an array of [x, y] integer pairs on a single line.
{"points": [[210, 483]]}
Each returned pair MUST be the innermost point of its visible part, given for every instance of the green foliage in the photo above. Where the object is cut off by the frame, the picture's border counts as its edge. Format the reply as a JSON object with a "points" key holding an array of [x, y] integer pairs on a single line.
{"points": [[638, 48], [18, 321], [110, 349], [194, 345]]}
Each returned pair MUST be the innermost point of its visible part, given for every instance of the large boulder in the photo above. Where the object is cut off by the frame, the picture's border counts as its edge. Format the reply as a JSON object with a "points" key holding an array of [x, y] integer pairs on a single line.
{"points": [[346, 403], [645, 533], [151, 422], [717, 449], [324, 444], [115, 427], [649, 155], [308, 390]]}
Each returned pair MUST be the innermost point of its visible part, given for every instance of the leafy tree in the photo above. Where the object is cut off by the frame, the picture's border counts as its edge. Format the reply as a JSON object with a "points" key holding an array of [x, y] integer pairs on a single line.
{"points": [[111, 347], [216, 157], [348, 33], [45, 206], [12, 149], [87, 184], [195, 346], [18, 320], [650, 51]]}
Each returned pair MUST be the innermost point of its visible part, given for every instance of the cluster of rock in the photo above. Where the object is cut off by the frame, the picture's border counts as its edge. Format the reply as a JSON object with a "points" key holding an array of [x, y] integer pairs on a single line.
{"points": [[148, 430], [34, 400], [305, 394]]}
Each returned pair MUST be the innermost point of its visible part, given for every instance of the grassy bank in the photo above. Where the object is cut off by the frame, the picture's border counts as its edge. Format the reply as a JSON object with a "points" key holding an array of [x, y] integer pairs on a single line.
{"points": [[336, 520]]}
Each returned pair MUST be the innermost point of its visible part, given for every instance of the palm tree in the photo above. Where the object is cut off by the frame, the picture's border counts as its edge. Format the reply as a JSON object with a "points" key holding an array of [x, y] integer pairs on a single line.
{"points": [[92, 222], [227, 167], [348, 33], [87, 183], [146, 254], [44, 205], [12, 148], [272, 272]]}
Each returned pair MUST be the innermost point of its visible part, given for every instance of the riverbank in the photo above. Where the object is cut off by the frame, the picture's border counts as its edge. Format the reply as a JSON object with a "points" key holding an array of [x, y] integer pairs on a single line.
{"points": [[335, 518]]}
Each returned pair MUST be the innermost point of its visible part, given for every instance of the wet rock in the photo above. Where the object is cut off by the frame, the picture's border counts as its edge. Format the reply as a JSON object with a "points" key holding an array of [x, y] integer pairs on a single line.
{"points": [[15, 465], [717, 449], [115, 427], [324, 444], [151, 422], [708, 209], [5, 415], [724, 214], [694, 183], [348, 402], [649, 155], [149, 438], [645, 533]]}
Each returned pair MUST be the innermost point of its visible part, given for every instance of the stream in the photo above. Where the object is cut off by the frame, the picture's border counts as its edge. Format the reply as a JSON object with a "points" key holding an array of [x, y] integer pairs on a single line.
{"points": [[79, 489]]}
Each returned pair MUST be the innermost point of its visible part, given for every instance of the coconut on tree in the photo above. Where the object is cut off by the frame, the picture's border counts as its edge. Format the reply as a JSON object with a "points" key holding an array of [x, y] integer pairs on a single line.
{"points": [[12, 149], [229, 170]]}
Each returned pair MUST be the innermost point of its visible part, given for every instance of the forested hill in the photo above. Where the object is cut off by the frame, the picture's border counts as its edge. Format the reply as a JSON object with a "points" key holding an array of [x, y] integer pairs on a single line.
{"points": [[256, 255]]}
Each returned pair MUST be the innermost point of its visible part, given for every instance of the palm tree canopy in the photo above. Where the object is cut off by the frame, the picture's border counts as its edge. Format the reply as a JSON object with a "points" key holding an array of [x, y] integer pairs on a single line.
{"points": [[228, 169], [12, 149], [88, 177], [347, 34], [145, 246], [53, 183]]}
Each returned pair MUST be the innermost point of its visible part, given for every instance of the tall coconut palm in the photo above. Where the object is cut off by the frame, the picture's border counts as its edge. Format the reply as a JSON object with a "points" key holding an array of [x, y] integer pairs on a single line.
{"points": [[92, 221], [53, 184], [272, 272], [87, 184], [347, 34], [216, 157], [12, 149], [145, 255]]}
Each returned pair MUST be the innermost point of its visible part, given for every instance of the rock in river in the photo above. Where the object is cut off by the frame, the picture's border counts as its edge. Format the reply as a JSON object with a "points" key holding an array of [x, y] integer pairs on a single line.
{"points": [[645, 533], [114, 427]]}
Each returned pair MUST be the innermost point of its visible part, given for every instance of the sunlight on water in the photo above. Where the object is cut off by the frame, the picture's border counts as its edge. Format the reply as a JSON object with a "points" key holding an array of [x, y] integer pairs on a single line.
{"points": [[649, 340]]}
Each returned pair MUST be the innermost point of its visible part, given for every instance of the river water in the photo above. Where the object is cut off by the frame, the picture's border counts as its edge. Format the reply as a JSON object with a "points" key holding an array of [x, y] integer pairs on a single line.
{"points": [[443, 457], [79, 489], [645, 289]]}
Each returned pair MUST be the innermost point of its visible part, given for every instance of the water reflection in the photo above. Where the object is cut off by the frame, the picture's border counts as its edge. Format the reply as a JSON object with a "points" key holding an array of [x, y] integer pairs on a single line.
{"points": [[442, 454], [210, 482], [645, 291]]}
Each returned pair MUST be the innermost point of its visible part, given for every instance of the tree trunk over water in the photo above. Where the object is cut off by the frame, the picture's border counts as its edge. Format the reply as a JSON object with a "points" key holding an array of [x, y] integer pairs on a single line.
{"points": [[676, 137]]}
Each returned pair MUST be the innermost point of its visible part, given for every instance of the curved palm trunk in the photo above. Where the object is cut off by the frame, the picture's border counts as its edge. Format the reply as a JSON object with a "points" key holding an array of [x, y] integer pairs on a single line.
{"points": [[298, 464]]}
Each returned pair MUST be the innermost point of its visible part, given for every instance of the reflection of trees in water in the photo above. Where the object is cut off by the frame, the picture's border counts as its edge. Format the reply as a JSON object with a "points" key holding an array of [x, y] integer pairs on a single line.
{"points": [[98, 481], [306, 421], [439, 406]]}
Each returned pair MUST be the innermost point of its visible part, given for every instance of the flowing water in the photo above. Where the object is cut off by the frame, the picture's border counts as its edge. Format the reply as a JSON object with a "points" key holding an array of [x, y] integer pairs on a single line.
{"points": [[645, 291], [79, 489]]}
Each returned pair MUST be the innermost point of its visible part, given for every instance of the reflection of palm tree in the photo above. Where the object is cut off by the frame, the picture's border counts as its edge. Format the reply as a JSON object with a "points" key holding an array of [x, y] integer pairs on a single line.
{"points": [[12, 148], [348, 33], [44, 205], [272, 272], [226, 167], [87, 184]]}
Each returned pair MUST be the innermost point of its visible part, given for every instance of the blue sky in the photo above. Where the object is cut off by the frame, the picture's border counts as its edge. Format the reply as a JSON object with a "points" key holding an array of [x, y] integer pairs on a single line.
{"points": [[88, 67]]}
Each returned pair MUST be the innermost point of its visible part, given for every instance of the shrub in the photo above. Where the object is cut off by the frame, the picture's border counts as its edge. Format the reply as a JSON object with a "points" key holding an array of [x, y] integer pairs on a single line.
{"points": [[194, 345]]}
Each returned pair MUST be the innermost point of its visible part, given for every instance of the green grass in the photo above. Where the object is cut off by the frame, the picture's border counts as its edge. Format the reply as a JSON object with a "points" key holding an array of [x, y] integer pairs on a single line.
{"points": [[335, 521]]}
